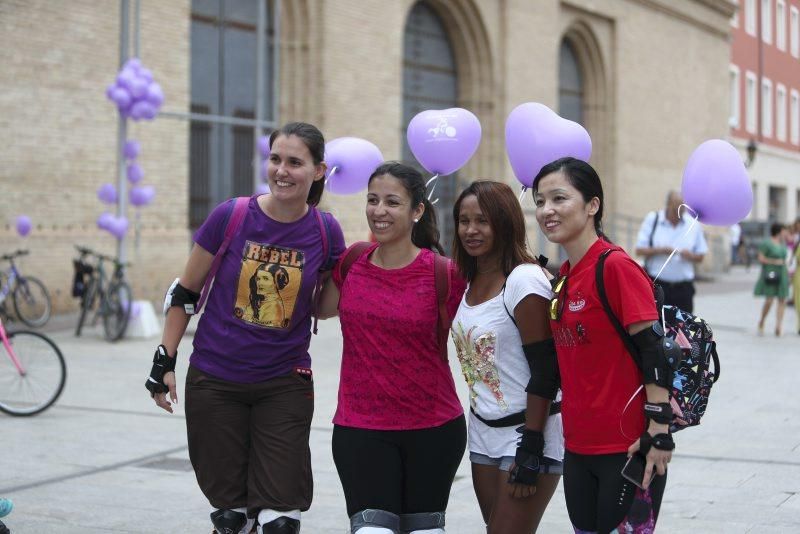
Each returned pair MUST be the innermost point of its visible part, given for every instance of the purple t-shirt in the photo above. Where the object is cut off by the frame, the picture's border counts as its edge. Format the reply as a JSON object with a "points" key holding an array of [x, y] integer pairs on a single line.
{"points": [[257, 318]]}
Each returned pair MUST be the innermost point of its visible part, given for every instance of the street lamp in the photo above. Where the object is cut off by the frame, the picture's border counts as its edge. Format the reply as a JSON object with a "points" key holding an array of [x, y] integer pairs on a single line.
{"points": [[752, 148]]}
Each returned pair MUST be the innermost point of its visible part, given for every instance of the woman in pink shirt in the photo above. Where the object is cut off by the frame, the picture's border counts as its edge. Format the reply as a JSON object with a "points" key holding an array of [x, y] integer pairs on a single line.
{"points": [[399, 429]]}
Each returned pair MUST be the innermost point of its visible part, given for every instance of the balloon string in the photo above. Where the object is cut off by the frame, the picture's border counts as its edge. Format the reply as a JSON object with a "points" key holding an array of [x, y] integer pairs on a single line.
{"points": [[522, 193], [680, 216], [330, 175], [432, 180]]}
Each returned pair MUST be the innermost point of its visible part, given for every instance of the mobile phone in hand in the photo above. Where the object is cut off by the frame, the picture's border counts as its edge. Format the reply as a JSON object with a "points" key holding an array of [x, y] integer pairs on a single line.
{"points": [[633, 470]]}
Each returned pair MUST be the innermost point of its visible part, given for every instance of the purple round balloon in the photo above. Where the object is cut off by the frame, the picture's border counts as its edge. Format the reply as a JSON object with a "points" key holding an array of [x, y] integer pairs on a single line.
{"points": [[107, 193], [443, 140], [121, 97], [536, 136], [142, 109], [146, 74], [104, 220], [24, 225], [133, 63], [716, 185], [126, 77], [138, 87], [155, 95], [134, 173], [141, 195], [263, 146], [131, 149], [355, 160]]}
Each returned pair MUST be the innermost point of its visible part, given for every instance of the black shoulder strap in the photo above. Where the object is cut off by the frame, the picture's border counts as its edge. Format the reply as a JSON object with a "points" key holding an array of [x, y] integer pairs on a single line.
{"points": [[601, 290], [653, 230]]}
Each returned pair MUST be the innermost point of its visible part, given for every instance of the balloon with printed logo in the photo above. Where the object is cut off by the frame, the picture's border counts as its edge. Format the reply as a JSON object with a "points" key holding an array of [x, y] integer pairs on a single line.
{"points": [[536, 136], [716, 185], [443, 140], [24, 225], [350, 161]]}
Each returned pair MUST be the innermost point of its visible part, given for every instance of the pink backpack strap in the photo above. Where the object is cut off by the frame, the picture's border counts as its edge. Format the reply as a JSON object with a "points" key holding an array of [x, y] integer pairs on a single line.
{"points": [[442, 278], [238, 212], [324, 231]]}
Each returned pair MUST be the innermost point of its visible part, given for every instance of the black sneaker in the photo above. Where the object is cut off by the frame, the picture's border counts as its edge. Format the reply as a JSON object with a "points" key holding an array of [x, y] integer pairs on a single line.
{"points": [[281, 525], [228, 521]]}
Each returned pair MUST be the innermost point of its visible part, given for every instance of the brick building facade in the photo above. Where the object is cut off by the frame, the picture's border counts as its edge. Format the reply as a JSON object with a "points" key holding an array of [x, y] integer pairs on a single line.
{"points": [[648, 79]]}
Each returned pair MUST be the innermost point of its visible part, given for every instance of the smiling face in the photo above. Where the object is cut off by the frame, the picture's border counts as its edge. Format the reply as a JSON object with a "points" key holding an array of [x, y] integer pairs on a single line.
{"points": [[291, 169], [389, 211], [474, 228], [561, 211]]}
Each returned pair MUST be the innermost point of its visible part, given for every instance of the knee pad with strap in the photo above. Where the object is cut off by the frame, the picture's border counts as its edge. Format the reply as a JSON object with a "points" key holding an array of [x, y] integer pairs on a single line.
{"points": [[371, 521], [425, 522]]}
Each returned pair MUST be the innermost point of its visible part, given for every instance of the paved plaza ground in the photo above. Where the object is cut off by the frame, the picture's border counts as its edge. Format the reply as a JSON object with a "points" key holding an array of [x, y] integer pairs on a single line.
{"points": [[105, 459]]}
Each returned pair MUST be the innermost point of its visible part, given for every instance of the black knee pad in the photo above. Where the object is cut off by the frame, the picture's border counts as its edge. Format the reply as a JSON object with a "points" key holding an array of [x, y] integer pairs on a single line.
{"points": [[375, 518], [281, 525], [228, 521], [421, 521]]}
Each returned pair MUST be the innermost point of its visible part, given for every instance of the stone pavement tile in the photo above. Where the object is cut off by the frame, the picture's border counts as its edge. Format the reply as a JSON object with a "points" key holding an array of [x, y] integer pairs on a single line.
{"points": [[792, 503], [700, 526], [749, 514]]}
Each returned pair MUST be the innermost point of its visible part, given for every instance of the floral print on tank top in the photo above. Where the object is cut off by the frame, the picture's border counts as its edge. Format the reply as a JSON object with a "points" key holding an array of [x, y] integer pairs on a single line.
{"points": [[477, 357]]}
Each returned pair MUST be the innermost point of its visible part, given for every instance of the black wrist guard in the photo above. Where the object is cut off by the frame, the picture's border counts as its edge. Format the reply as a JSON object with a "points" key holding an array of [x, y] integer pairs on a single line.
{"points": [[660, 412], [528, 458], [545, 379], [162, 364], [658, 356], [662, 442]]}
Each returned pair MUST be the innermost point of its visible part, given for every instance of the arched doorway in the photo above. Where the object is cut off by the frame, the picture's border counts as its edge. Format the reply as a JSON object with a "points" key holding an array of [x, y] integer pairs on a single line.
{"points": [[430, 81]]}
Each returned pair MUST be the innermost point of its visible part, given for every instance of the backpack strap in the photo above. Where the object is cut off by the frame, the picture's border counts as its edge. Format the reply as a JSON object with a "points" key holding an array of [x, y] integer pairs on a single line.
{"points": [[441, 273], [601, 290], [355, 251], [235, 218], [325, 235]]}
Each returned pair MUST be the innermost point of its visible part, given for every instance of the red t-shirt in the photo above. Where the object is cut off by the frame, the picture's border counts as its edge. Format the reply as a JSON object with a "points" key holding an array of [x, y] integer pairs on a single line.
{"points": [[393, 376], [598, 374]]}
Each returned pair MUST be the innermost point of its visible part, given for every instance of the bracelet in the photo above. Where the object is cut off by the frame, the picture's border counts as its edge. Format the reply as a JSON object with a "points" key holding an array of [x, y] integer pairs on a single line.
{"points": [[660, 412]]}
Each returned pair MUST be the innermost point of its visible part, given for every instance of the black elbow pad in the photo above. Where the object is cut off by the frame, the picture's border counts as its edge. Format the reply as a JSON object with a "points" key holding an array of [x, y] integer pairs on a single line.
{"points": [[545, 378], [659, 356]]}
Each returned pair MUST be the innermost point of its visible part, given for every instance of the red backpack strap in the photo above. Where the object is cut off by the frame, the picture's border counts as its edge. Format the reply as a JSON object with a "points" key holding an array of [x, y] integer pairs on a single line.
{"points": [[441, 273], [355, 251], [238, 212]]}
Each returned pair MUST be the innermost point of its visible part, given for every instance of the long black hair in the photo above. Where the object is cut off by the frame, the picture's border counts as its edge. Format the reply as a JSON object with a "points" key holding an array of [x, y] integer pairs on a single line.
{"points": [[425, 233], [315, 142], [582, 177]]}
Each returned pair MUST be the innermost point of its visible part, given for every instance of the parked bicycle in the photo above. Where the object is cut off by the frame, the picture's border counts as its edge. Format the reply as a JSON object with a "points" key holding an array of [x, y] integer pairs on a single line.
{"points": [[111, 297], [33, 373], [29, 296]]}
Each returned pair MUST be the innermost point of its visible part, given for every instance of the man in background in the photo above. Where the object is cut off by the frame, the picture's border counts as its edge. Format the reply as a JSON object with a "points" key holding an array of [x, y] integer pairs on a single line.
{"points": [[662, 232]]}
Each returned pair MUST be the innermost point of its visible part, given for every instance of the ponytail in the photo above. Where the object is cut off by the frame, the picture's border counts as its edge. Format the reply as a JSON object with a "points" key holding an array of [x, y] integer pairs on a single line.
{"points": [[426, 232]]}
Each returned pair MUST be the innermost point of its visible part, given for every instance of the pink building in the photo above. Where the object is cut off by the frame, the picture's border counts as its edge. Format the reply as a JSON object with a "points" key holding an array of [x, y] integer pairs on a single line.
{"points": [[765, 102]]}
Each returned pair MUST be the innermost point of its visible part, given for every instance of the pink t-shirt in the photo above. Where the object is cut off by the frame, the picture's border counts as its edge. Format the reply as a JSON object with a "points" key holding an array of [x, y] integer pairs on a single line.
{"points": [[393, 376]]}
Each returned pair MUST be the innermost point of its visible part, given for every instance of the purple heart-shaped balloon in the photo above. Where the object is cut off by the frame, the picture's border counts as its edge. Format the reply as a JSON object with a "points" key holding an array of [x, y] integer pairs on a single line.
{"points": [[716, 185], [443, 140], [536, 136], [141, 195], [104, 220], [107, 193], [354, 160]]}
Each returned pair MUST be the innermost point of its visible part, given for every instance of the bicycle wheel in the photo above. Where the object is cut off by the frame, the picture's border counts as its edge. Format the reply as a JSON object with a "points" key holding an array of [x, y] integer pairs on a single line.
{"points": [[116, 310], [31, 301], [87, 301], [43, 379]]}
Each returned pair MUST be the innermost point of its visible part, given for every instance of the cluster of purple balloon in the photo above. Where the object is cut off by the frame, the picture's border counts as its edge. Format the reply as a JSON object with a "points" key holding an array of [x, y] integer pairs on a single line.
{"points": [[135, 93], [23, 225]]}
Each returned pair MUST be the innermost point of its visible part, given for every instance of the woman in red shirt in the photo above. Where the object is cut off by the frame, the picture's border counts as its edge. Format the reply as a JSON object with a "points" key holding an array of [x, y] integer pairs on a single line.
{"points": [[598, 375]]}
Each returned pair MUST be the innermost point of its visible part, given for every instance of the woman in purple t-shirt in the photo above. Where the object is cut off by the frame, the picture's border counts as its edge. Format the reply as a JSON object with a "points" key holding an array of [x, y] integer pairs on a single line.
{"points": [[249, 393], [399, 430]]}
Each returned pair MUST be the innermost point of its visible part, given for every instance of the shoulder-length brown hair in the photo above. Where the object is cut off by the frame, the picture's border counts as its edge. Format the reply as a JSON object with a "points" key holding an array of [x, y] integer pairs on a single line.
{"points": [[501, 208]]}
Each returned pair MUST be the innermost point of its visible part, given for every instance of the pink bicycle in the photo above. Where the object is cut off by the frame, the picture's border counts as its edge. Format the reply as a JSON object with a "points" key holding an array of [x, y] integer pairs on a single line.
{"points": [[33, 374]]}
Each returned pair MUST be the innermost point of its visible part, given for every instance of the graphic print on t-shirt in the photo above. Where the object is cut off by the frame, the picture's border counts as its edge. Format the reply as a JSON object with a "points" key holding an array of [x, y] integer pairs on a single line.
{"points": [[269, 282], [477, 357]]}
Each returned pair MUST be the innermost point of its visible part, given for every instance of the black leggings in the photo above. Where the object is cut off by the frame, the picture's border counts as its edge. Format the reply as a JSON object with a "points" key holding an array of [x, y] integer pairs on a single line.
{"points": [[600, 500], [399, 471]]}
